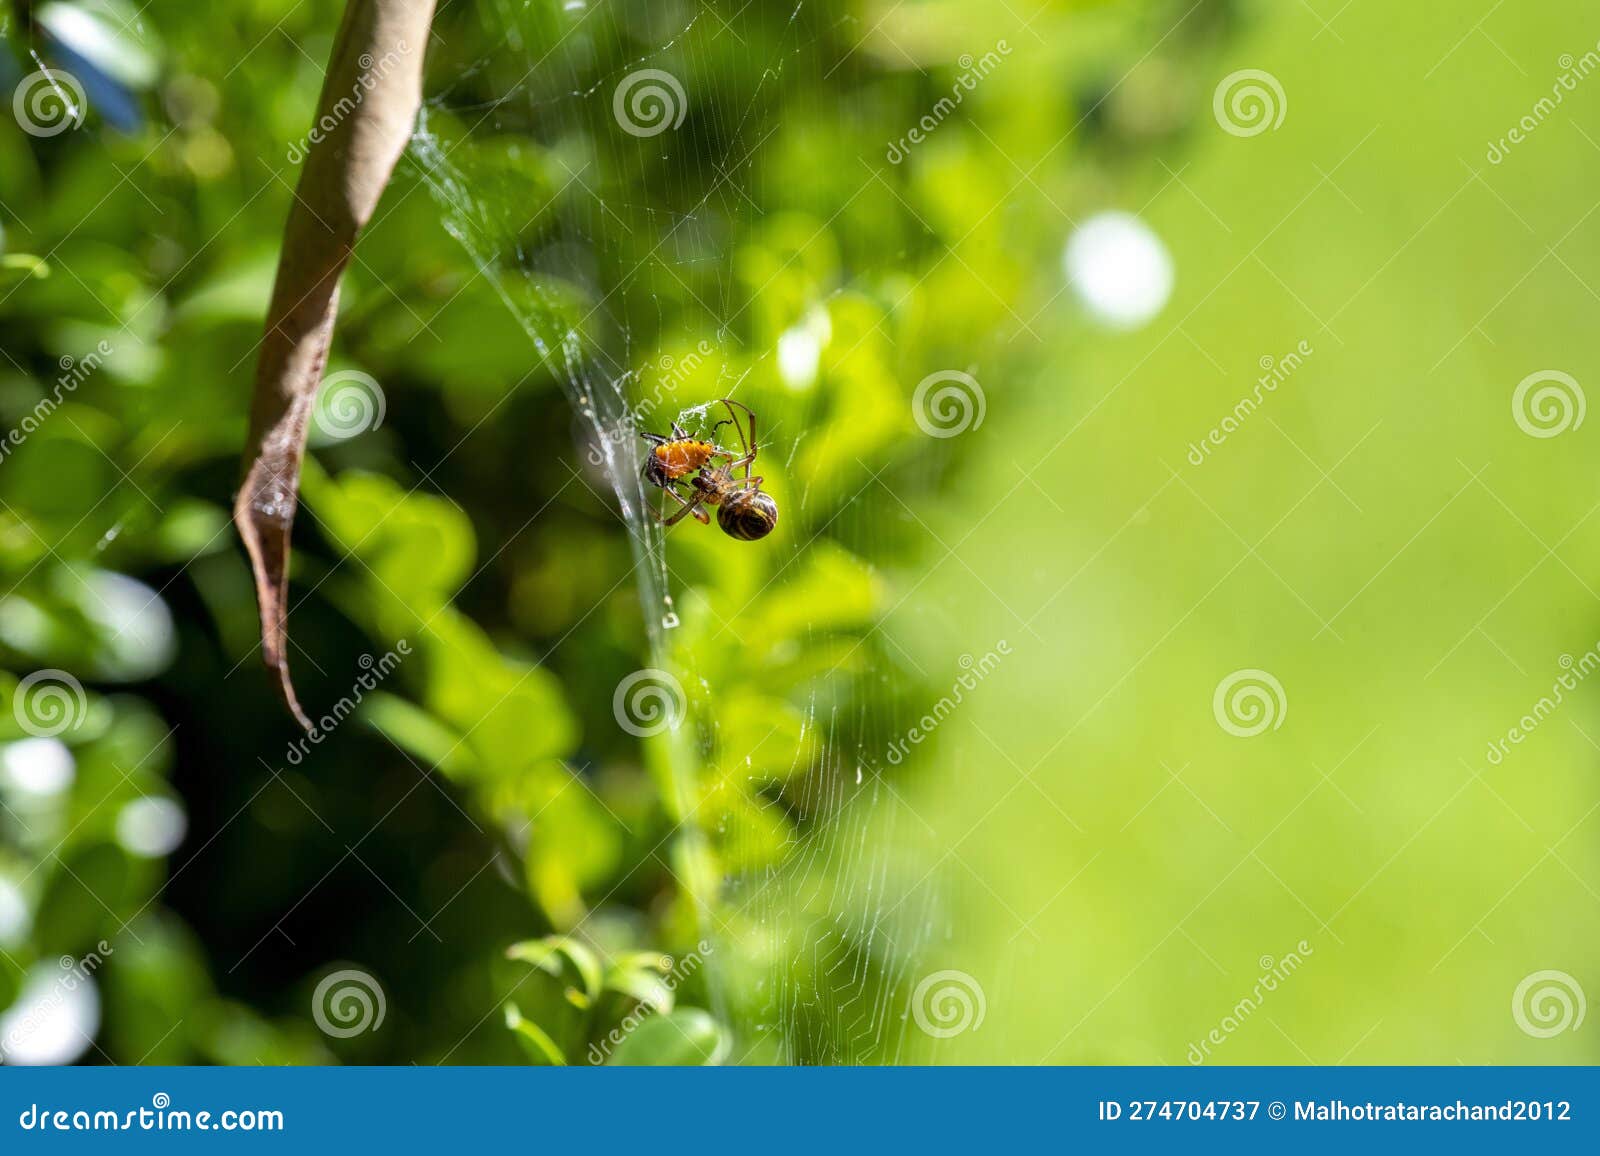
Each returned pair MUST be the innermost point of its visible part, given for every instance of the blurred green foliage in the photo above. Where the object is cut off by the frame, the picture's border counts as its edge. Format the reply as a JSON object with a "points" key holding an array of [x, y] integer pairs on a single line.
{"points": [[469, 526]]}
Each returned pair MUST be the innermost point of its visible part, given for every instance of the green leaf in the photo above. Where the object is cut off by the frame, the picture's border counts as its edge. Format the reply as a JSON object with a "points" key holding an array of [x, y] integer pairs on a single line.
{"points": [[413, 729], [548, 954], [640, 984], [688, 1037], [540, 1047], [20, 265]]}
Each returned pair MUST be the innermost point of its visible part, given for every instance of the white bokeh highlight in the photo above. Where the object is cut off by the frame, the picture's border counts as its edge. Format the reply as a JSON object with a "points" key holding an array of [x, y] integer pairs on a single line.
{"points": [[53, 1021], [1119, 269], [151, 827], [36, 768]]}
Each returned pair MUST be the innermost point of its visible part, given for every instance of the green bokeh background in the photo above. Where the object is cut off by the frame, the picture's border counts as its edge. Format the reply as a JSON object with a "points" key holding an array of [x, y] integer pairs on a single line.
{"points": [[1108, 869], [1381, 536]]}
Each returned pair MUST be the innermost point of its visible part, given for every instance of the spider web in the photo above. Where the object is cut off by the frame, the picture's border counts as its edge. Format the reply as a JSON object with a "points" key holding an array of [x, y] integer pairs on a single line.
{"points": [[816, 947]]}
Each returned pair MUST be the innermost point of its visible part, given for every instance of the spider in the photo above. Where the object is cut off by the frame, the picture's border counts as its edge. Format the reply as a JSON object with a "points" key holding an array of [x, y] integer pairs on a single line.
{"points": [[744, 510]]}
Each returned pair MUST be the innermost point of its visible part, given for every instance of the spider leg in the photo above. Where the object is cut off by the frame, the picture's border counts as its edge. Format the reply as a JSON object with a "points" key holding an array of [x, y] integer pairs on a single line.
{"points": [[751, 448], [688, 508]]}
